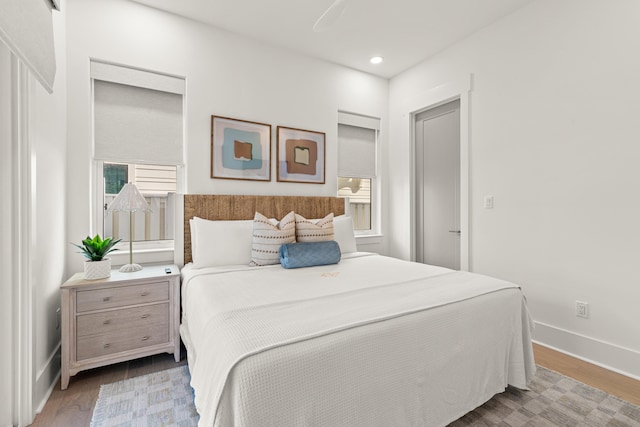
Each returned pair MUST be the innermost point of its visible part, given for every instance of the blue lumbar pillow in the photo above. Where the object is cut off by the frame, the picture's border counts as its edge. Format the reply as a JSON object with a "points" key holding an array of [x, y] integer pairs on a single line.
{"points": [[309, 254]]}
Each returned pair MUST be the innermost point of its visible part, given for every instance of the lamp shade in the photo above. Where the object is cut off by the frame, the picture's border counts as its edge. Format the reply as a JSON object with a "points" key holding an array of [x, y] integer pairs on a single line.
{"points": [[129, 199]]}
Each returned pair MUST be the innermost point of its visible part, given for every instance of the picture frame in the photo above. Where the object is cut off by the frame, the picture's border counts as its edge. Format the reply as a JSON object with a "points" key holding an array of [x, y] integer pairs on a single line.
{"points": [[300, 155], [240, 149]]}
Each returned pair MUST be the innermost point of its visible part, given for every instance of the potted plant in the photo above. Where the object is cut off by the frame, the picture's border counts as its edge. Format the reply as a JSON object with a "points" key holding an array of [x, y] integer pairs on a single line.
{"points": [[95, 250]]}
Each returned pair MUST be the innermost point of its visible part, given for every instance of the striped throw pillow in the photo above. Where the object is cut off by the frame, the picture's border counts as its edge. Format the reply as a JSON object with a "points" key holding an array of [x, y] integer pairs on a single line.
{"points": [[314, 230], [267, 238]]}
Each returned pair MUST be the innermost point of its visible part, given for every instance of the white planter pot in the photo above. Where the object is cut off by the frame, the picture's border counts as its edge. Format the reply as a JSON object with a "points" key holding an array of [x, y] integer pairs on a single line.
{"points": [[94, 270]]}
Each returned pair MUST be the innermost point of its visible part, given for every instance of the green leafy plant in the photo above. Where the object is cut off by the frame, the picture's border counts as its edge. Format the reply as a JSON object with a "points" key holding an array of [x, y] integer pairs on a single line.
{"points": [[96, 249]]}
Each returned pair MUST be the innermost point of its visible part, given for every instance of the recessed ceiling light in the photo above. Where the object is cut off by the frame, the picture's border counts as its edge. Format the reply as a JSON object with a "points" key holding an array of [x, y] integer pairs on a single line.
{"points": [[376, 60]]}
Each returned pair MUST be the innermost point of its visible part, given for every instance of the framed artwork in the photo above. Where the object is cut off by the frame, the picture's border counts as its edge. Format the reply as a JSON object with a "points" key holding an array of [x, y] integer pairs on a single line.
{"points": [[240, 149], [301, 155]]}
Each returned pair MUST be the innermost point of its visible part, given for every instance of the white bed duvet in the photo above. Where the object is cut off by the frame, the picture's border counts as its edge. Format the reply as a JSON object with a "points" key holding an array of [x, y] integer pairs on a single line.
{"points": [[371, 341]]}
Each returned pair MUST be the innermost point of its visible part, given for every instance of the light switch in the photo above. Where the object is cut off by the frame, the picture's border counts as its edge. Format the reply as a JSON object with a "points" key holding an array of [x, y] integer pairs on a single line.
{"points": [[488, 202]]}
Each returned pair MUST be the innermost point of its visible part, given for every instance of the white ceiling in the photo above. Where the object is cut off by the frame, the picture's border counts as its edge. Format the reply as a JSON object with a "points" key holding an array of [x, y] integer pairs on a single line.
{"points": [[404, 32]]}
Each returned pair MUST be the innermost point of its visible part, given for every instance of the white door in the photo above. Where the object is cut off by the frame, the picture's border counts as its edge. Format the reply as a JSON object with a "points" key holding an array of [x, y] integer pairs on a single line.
{"points": [[438, 186]]}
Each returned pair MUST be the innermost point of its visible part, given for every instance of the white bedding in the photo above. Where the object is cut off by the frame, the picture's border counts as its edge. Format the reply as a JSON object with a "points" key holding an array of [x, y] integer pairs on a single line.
{"points": [[371, 341]]}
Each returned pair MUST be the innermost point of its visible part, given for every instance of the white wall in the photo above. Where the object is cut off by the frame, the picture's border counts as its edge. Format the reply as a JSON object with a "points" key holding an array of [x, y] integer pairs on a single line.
{"points": [[226, 75], [554, 137]]}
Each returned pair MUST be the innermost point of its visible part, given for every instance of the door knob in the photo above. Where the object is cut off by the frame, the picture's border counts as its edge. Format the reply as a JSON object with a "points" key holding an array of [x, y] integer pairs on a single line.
{"points": [[455, 231]]}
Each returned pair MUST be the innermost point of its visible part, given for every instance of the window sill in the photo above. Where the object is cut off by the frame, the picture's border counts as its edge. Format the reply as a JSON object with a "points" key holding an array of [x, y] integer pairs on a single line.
{"points": [[369, 239], [142, 256]]}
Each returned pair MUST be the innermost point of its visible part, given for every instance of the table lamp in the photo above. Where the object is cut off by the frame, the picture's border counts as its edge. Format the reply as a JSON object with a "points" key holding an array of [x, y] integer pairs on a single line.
{"points": [[129, 200]]}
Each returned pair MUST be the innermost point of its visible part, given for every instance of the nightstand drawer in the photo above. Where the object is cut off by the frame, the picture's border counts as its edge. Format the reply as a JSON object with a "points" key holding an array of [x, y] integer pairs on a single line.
{"points": [[123, 340], [115, 320], [121, 296]]}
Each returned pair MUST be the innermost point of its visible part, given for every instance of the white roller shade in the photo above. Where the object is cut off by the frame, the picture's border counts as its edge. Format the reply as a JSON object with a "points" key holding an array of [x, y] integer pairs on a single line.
{"points": [[358, 120], [137, 124], [356, 151], [26, 28], [136, 77]]}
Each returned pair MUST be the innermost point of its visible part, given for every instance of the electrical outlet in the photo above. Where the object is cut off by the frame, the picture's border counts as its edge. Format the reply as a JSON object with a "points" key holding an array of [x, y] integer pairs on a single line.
{"points": [[57, 318], [582, 309], [488, 202]]}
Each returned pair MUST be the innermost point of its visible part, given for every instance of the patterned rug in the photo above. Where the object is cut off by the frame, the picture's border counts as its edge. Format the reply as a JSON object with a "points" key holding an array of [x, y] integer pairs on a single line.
{"points": [[163, 398], [554, 400], [166, 399]]}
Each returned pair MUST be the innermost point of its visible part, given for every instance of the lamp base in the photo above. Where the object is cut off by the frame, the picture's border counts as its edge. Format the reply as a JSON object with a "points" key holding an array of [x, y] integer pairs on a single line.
{"points": [[130, 268]]}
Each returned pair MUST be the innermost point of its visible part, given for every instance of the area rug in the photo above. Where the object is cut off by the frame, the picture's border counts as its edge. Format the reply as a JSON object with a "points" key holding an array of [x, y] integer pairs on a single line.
{"points": [[161, 399], [166, 399], [554, 400]]}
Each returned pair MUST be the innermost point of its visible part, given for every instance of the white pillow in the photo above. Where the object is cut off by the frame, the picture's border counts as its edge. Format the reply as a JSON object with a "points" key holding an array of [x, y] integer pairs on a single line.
{"points": [[343, 234], [217, 243]]}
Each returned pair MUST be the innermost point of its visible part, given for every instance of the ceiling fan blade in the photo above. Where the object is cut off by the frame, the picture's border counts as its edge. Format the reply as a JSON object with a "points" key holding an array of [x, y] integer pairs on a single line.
{"points": [[330, 16]]}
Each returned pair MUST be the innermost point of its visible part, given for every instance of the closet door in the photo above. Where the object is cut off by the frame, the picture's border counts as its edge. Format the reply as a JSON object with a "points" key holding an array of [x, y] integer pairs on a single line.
{"points": [[438, 186]]}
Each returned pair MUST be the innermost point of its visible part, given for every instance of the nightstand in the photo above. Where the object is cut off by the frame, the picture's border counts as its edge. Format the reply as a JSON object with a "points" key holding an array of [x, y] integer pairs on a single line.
{"points": [[122, 317]]}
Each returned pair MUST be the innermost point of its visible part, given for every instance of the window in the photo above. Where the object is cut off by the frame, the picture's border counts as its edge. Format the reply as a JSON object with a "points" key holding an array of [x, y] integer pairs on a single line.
{"points": [[138, 138], [358, 190], [357, 169], [157, 183]]}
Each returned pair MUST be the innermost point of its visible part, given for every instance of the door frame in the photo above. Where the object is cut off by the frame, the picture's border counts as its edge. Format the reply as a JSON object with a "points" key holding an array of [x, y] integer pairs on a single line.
{"points": [[439, 95], [21, 199], [17, 163]]}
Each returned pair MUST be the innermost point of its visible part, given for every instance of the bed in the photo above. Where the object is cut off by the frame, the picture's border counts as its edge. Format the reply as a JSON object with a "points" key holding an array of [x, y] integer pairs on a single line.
{"points": [[370, 341]]}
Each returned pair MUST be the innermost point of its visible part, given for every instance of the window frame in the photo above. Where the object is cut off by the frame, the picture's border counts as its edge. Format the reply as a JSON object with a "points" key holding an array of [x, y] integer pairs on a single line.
{"points": [[375, 191], [155, 251]]}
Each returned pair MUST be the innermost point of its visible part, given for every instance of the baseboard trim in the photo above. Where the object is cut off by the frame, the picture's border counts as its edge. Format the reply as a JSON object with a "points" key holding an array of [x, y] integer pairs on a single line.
{"points": [[606, 355], [47, 378]]}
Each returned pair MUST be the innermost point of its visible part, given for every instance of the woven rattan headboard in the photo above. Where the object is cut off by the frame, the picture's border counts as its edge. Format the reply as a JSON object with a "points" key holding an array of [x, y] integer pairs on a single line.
{"points": [[226, 207]]}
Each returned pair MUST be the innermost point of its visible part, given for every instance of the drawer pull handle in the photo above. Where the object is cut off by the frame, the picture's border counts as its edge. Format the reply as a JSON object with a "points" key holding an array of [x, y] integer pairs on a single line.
{"points": [[107, 345], [144, 294], [145, 338], [106, 322], [105, 299], [144, 316]]}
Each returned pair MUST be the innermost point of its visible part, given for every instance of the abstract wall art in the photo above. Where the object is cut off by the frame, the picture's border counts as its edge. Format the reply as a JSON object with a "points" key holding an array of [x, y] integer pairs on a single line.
{"points": [[301, 155], [240, 149]]}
